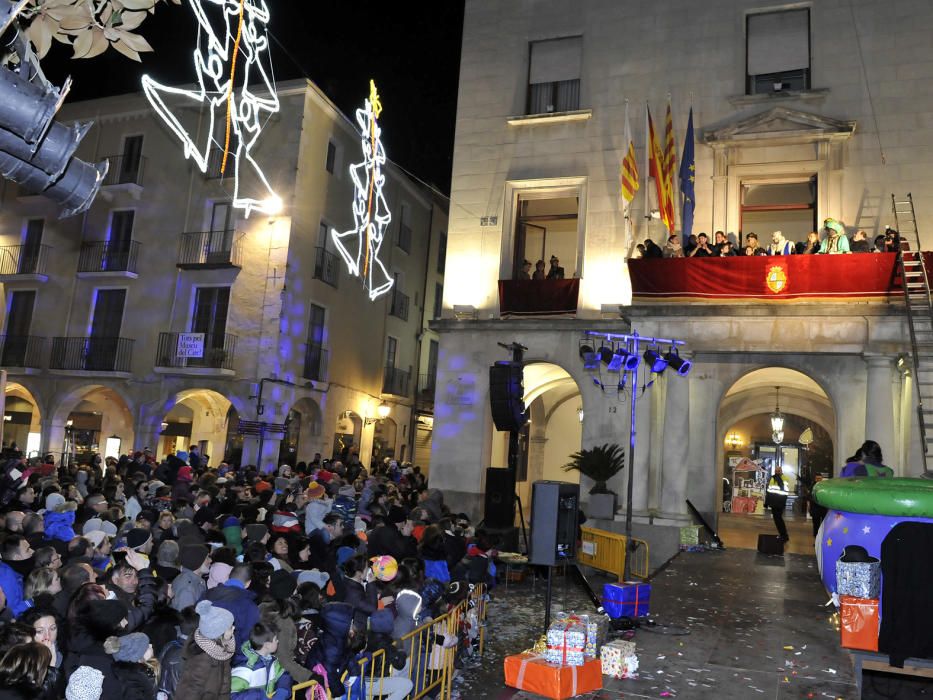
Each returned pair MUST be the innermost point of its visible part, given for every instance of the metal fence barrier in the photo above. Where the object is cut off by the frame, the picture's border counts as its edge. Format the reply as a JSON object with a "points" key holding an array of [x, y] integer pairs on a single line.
{"points": [[606, 551]]}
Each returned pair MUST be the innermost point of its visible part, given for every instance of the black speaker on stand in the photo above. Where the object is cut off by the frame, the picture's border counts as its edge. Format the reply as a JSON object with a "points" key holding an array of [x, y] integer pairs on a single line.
{"points": [[554, 525], [499, 508], [506, 396]]}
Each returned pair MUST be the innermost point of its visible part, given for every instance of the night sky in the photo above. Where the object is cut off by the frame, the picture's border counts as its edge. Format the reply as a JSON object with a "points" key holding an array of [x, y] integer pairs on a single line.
{"points": [[410, 48]]}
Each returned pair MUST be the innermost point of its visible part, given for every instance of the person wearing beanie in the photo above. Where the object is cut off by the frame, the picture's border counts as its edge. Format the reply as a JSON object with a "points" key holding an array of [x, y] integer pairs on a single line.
{"points": [[86, 683], [282, 585], [394, 538], [59, 518], [139, 540], [206, 674], [257, 532], [218, 574], [316, 508], [131, 652], [94, 622], [188, 587], [233, 533], [167, 560], [235, 595]]}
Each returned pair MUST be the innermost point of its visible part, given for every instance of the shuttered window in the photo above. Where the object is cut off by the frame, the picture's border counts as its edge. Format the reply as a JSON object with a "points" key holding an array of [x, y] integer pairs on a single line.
{"points": [[778, 51], [554, 71]]}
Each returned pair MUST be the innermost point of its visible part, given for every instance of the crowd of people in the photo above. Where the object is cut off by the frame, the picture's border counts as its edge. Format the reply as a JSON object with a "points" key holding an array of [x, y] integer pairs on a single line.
{"points": [[833, 241], [140, 580]]}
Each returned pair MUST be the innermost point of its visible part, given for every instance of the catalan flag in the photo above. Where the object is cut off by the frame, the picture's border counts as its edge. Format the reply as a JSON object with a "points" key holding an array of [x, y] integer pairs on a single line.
{"points": [[628, 173], [670, 150], [662, 184], [687, 182]]}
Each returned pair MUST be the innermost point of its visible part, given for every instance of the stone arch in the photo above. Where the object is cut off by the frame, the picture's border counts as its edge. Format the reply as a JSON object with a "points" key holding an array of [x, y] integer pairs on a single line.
{"points": [[26, 434], [308, 434], [74, 427], [196, 415], [385, 438]]}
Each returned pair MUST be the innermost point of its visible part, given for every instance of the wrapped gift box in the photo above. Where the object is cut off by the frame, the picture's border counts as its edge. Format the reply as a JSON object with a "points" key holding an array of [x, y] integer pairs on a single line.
{"points": [[617, 659], [532, 673], [597, 630], [860, 579], [566, 641], [690, 534], [859, 624], [628, 599]]}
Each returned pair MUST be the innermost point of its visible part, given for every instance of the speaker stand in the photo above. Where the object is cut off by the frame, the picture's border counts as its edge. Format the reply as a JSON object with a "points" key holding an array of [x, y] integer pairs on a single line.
{"points": [[547, 602], [521, 517]]}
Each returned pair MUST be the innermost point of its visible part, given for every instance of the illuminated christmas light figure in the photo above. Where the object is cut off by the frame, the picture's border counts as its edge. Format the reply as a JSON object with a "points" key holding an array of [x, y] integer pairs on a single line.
{"points": [[240, 37], [359, 247]]}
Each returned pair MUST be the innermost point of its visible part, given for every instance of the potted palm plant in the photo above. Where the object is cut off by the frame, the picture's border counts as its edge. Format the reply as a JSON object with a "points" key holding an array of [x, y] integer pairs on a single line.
{"points": [[599, 463]]}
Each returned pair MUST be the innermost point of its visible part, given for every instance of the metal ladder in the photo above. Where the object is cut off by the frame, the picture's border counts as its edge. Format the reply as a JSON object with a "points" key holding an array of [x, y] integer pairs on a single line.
{"points": [[919, 304]]}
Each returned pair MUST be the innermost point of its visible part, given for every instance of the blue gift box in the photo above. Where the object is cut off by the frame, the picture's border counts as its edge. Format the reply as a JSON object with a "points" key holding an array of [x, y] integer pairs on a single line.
{"points": [[628, 599]]}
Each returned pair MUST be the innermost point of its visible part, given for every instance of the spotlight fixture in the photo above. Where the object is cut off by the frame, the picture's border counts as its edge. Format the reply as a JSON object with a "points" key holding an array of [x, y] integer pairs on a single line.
{"points": [[657, 363], [628, 361], [589, 357], [605, 354], [675, 361]]}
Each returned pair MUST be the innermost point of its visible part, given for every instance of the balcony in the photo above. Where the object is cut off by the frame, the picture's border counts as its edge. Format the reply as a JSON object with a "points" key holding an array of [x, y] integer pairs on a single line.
{"points": [[21, 352], [424, 397], [396, 381], [105, 259], [215, 160], [209, 250], [24, 263], [326, 267], [538, 298], [315, 368], [399, 306], [196, 354], [125, 174], [93, 355]]}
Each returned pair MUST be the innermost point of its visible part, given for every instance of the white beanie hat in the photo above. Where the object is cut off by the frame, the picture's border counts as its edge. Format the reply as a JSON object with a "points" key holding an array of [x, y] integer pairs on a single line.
{"points": [[86, 683], [53, 500]]}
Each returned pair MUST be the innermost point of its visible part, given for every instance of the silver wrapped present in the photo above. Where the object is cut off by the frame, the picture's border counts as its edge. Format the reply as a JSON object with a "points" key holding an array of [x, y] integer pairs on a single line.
{"points": [[566, 641], [861, 579]]}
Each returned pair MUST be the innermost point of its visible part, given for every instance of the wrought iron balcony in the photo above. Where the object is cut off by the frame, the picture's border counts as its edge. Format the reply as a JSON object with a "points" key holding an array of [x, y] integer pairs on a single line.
{"points": [[21, 351], [215, 160], [103, 256], [209, 250], [396, 381], [92, 354], [23, 259], [125, 171], [399, 307], [424, 397], [217, 352], [326, 267], [316, 357]]}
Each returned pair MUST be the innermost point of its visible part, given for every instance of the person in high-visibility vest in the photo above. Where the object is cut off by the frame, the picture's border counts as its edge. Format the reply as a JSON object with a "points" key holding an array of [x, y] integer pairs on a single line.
{"points": [[776, 500]]}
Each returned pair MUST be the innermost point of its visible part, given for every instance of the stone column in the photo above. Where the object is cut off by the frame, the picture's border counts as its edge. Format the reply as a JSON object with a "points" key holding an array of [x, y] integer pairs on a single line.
{"points": [[676, 447], [642, 451], [879, 403]]}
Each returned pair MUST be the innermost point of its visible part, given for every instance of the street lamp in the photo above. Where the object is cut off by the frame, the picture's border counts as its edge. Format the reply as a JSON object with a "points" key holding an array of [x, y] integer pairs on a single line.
{"points": [[777, 419], [382, 412]]}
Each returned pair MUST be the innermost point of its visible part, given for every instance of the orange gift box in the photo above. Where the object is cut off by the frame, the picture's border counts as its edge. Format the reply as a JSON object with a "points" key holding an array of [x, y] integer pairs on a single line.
{"points": [[859, 622], [532, 673]]}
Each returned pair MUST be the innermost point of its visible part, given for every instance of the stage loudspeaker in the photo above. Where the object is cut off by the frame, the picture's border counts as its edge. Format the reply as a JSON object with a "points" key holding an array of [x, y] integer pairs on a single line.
{"points": [[554, 522], [499, 510], [506, 396]]}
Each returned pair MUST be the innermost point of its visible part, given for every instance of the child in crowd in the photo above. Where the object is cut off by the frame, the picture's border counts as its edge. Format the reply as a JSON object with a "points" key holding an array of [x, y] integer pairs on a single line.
{"points": [[259, 675]]}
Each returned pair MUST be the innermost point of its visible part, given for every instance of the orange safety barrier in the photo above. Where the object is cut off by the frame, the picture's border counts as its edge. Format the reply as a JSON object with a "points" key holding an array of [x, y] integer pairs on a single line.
{"points": [[607, 551]]}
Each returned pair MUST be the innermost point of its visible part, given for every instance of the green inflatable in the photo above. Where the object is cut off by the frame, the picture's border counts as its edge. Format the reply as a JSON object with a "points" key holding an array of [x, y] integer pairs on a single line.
{"points": [[901, 496]]}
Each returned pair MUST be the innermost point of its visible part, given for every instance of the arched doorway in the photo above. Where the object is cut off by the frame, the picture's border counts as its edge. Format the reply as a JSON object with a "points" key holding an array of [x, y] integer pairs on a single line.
{"points": [[347, 434], [95, 419], [303, 433], [385, 435], [199, 417], [552, 434], [749, 450], [21, 420]]}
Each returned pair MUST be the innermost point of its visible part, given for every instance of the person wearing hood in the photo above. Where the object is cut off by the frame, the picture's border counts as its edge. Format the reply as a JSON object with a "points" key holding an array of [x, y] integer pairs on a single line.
{"points": [[17, 562], [780, 245], [171, 658], [234, 595], [331, 651], [95, 621], [59, 518], [233, 533], [359, 682], [189, 586], [131, 652], [433, 502], [207, 656], [835, 240], [316, 508]]}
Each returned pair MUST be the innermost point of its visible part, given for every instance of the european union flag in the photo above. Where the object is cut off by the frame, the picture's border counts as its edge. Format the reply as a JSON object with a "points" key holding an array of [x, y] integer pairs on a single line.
{"points": [[687, 182]]}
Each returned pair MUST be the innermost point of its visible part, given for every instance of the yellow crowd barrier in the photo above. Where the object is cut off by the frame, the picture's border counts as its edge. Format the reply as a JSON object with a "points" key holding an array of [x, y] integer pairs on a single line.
{"points": [[429, 666], [606, 551]]}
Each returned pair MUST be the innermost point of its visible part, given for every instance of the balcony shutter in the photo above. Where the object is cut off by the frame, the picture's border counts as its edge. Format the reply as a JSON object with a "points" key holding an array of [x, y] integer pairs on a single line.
{"points": [[556, 59], [778, 41]]}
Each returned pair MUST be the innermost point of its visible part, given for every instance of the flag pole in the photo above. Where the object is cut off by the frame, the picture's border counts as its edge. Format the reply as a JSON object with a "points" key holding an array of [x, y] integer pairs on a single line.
{"points": [[647, 175], [675, 186]]}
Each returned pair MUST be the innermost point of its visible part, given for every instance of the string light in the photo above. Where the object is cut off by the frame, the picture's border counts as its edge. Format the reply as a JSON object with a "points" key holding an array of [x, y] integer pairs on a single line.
{"points": [[370, 211], [245, 109]]}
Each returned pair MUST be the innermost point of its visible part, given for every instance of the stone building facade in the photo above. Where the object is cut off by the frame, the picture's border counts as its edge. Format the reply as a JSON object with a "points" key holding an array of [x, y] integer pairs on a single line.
{"points": [[802, 111], [95, 304]]}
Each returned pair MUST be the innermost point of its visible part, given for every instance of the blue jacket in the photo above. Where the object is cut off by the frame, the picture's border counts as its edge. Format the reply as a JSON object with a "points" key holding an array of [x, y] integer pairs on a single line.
{"points": [[242, 603], [58, 526], [12, 585]]}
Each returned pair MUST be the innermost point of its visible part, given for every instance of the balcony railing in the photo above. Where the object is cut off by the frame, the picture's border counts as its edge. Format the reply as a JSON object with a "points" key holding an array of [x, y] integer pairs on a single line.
{"points": [[424, 397], [316, 357], [23, 259], [326, 267], [103, 256], [125, 171], [209, 249], [92, 354], [217, 352], [399, 307], [396, 381], [215, 160], [23, 351]]}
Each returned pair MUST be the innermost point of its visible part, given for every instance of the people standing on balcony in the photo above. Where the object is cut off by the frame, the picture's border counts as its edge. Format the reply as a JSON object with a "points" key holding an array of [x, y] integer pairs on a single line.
{"points": [[879, 244], [525, 272], [652, 249], [892, 240], [719, 240], [690, 244], [673, 249], [751, 245], [811, 246], [556, 272], [835, 241], [726, 250], [703, 249], [780, 245], [859, 243], [539, 273]]}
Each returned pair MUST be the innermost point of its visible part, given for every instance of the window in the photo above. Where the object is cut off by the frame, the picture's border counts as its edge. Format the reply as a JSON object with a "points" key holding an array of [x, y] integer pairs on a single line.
{"points": [[554, 75], [546, 227], [438, 299], [103, 348], [330, 161], [777, 51], [32, 246], [391, 351], [314, 352], [220, 237], [441, 253], [404, 228], [18, 324], [119, 240]]}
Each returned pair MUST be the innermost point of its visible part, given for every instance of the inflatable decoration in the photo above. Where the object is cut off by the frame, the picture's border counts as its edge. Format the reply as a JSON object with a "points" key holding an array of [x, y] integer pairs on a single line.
{"points": [[863, 511]]}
